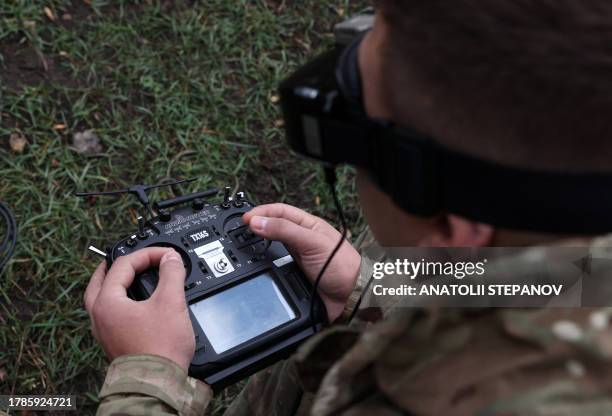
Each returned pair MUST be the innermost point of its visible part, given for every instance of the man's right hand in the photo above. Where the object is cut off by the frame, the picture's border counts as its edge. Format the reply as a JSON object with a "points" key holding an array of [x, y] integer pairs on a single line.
{"points": [[310, 240]]}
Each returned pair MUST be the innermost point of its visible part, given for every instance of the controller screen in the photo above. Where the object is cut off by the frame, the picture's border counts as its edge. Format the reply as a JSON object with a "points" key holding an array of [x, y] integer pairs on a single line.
{"points": [[242, 312]]}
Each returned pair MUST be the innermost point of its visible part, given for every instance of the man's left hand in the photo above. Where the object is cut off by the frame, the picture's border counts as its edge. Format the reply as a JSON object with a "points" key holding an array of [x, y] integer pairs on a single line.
{"points": [[159, 325]]}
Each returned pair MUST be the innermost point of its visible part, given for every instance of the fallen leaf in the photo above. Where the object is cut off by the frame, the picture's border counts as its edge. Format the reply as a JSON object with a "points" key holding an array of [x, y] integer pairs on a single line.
{"points": [[274, 99], [49, 13], [66, 16], [63, 54], [86, 142], [59, 126], [97, 221], [279, 123], [133, 215], [317, 200], [17, 142], [209, 131]]}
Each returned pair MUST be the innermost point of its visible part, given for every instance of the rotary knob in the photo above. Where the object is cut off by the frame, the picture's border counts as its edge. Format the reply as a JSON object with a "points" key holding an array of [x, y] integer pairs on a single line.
{"points": [[197, 204], [164, 215]]}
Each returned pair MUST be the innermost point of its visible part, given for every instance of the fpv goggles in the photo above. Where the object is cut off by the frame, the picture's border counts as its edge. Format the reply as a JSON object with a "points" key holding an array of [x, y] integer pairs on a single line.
{"points": [[325, 120]]}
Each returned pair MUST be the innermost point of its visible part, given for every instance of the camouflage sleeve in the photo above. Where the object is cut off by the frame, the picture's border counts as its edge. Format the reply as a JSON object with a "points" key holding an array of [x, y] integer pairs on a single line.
{"points": [[151, 385], [365, 271], [370, 252], [275, 390]]}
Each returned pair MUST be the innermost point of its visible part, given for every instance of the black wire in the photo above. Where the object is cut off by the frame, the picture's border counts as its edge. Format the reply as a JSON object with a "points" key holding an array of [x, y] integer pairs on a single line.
{"points": [[5, 239], [9, 240], [7, 247], [330, 178]]}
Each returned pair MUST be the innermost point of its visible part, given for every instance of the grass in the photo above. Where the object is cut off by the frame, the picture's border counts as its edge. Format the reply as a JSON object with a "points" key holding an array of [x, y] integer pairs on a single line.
{"points": [[172, 90]]}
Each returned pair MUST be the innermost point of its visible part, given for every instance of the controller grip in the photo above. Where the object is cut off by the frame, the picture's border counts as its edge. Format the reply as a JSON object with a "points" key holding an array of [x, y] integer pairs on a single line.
{"points": [[143, 284]]}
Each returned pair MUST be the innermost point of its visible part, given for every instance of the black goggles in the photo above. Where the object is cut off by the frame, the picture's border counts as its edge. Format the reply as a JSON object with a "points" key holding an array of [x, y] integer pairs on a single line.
{"points": [[325, 120]]}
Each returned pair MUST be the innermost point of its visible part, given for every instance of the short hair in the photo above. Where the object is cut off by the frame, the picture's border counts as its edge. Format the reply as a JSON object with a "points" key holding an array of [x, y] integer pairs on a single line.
{"points": [[524, 82]]}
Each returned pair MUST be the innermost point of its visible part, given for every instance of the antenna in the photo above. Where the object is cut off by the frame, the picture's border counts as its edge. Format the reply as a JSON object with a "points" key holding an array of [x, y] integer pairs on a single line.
{"points": [[140, 191]]}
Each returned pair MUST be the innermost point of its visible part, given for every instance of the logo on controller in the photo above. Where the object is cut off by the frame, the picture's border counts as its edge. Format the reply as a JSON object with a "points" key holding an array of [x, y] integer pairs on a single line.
{"points": [[215, 258], [199, 235], [221, 266]]}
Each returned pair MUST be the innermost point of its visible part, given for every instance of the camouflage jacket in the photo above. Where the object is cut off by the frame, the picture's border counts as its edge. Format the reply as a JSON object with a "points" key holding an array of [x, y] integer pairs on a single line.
{"points": [[414, 361]]}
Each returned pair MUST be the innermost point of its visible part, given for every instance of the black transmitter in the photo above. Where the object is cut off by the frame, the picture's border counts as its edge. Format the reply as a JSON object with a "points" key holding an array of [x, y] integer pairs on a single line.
{"points": [[249, 303]]}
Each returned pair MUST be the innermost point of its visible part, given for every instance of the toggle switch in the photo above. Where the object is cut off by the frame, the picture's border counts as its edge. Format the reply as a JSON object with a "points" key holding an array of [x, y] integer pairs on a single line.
{"points": [[141, 231], [239, 200], [226, 198]]}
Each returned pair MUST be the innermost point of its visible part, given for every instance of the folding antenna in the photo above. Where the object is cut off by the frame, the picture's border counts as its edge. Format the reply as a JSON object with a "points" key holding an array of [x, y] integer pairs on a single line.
{"points": [[140, 191]]}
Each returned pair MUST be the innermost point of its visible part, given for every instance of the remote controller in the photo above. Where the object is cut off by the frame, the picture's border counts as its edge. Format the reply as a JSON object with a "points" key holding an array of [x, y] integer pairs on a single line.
{"points": [[249, 303]]}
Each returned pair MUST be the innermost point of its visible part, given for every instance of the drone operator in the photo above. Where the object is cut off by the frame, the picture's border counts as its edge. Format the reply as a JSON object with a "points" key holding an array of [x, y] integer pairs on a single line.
{"points": [[500, 85]]}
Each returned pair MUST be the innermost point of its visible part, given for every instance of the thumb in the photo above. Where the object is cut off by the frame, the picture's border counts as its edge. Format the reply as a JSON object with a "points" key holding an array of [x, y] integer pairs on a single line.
{"points": [[301, 239], [172, 273]]}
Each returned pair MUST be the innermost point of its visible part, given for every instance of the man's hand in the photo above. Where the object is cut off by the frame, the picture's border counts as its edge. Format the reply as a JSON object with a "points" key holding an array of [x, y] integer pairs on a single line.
{"points": [[159, 325], [310, 241]]}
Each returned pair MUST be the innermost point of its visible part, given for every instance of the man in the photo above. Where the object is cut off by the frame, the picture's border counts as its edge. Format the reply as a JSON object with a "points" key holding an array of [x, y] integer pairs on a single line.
{"points": [[520, 83]]}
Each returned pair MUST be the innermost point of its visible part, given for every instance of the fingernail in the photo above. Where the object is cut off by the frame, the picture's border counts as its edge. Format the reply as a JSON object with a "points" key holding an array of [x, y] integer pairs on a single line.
{"points": [[170, 256], [259, 223]]}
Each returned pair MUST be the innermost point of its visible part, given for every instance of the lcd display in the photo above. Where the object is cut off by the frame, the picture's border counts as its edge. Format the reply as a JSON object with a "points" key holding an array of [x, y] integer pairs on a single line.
{"points": [[242, 312]]}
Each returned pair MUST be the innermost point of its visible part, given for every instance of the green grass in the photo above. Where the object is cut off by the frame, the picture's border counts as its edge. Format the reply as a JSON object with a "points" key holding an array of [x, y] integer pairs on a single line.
{"points": [[173, 92]]}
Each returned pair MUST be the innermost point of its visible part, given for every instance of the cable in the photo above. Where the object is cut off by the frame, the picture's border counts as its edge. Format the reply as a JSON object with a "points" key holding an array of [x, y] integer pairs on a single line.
{"points": [[330, 178], [7, 247]]}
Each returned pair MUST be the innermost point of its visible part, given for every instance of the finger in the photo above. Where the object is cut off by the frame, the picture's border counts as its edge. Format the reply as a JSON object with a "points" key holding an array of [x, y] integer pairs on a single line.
{"points": [[94, 286], [125, 268], [286, 211], [172, 273], [301, 239], [292, 214]]}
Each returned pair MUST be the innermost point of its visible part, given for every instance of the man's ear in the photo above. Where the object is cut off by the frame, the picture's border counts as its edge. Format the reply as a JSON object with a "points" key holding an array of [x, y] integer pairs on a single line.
{"points": [[455, 231]]}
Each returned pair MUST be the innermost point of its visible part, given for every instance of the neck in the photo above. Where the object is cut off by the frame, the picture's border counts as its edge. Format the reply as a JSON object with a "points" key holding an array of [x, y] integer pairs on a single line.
{"points": [[512, 238]]}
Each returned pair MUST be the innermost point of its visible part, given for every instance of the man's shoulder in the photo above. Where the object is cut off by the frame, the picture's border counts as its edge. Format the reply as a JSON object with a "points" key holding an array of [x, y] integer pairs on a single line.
{"points": [[463, 362]]}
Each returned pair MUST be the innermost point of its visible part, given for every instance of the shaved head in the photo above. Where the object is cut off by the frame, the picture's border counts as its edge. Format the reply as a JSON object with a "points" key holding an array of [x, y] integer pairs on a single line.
{"points": [[522, 82]]}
